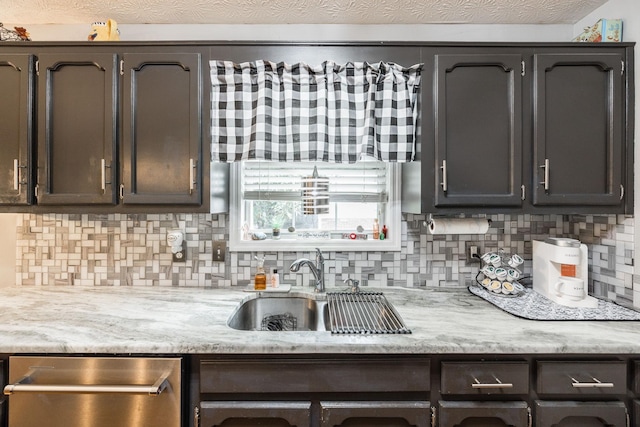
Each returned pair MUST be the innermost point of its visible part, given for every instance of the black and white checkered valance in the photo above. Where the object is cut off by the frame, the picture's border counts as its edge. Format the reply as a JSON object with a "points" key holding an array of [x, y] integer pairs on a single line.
{"points": [[333, 113]]}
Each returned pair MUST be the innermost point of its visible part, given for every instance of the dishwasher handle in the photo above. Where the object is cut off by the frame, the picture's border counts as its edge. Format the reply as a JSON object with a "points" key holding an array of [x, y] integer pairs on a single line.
{"points": [[23, 387]]}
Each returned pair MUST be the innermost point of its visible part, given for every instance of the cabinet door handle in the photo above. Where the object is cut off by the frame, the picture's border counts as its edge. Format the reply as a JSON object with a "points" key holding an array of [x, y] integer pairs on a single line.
{"points": [[433, 416], [103, 175], [196, 417], [546, 175], [497, 384], [16, 175], [444, 175], [192, 175], [596, 384]]}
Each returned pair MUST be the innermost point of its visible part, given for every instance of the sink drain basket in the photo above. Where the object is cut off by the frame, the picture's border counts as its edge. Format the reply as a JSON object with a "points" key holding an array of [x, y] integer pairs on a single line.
{"points": [[279, 322]]}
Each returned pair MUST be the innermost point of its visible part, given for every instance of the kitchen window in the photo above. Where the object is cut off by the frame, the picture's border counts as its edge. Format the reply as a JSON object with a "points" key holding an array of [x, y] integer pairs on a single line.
{"points": [[267, 195], [315, 151]]}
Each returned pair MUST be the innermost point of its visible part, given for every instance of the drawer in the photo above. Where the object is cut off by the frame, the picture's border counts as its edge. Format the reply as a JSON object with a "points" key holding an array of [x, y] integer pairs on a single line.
{"points": [[582, 378], [482, 378], [314, 375]]}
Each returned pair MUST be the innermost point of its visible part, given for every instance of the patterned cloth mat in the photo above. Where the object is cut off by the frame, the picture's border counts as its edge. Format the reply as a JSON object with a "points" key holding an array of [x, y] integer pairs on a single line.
{"points": [[534, 306]]}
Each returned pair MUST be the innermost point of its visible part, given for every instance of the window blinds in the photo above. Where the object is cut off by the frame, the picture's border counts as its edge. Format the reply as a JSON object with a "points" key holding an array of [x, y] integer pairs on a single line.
{"points": [[363, 182], [330, 112]]}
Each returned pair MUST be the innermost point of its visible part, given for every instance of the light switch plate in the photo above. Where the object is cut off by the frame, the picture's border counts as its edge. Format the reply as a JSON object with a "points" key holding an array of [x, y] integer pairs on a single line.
{"points": [[219, 250]]}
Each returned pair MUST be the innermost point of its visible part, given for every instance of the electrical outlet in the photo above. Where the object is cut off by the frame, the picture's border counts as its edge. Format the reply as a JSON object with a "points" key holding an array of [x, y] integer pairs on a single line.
{"points": [[219, 249], [473, 252]]}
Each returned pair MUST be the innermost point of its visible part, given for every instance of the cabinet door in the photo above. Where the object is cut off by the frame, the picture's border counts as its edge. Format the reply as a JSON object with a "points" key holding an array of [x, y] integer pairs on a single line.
{"points": [[16, 88], [478, 130], [379, 413], [578, 135], [484, 414], [580, 414], [76, 128], [162, 137], [252, 414]]}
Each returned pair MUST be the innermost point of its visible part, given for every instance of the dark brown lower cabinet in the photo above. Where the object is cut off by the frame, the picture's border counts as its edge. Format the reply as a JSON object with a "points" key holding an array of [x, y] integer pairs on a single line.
{"points": [[580, 414], [313, 391], [3, 401], [375, 413], [416, 391], [252, 414], [484, 414]]}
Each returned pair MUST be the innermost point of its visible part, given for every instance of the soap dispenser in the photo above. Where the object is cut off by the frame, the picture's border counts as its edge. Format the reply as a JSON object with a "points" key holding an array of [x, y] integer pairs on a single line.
{"points": [[260, 279]]}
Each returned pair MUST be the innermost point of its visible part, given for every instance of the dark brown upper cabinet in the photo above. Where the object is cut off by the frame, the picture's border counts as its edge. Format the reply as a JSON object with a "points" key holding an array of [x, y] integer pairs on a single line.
{"points": [[162, 129], [16, 87], [478, 129], [578, 129], [77, 111], [524, 129], [117, 129]]}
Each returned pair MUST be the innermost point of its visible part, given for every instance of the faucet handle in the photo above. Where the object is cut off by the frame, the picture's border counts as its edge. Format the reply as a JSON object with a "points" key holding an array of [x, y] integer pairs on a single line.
{"points": [[319, 256], [355, 284]]}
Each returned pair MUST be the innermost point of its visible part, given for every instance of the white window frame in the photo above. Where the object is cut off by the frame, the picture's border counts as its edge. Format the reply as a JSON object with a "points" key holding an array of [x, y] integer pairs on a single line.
{"points": [[392, 219]]}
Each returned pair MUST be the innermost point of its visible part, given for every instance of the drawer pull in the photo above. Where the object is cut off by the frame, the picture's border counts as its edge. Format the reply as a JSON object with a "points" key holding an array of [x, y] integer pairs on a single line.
{"points": [[596, 384], [497, 384]]}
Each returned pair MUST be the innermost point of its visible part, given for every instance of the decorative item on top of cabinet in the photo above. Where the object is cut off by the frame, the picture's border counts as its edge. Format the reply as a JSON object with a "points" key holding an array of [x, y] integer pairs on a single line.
{"points": [[16, 139]]}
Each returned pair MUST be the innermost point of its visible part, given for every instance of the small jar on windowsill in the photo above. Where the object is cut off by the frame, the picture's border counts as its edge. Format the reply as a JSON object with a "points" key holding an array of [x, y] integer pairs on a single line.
{"points": [[275, 233]]}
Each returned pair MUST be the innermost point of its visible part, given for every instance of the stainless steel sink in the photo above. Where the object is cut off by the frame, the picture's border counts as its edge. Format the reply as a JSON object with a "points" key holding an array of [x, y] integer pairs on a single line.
{"points": [[338, 312], [279, 313]]}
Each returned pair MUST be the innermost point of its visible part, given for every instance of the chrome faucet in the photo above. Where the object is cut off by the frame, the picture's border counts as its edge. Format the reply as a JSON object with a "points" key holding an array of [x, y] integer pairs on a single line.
{"points": [[317, 269]]}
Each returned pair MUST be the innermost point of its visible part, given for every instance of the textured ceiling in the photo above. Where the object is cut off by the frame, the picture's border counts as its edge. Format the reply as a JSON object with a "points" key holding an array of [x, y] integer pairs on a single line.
{"points": [[297, 11]]}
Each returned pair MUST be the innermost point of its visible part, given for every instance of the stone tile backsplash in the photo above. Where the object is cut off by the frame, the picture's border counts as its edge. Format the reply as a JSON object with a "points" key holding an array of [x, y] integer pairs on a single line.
{"points": [[131, 250]]}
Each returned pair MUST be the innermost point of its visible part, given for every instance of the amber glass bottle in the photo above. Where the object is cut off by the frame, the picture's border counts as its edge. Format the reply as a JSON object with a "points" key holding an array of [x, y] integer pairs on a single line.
{"points": [[260, 279]]}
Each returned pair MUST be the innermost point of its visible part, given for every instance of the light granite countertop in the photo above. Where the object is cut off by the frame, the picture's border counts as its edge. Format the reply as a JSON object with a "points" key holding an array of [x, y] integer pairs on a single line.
{"points": [[124, 320]]}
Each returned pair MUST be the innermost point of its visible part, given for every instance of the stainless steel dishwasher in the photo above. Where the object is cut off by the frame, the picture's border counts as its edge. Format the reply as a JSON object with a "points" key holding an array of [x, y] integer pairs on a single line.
{"points": [[94, 391]]}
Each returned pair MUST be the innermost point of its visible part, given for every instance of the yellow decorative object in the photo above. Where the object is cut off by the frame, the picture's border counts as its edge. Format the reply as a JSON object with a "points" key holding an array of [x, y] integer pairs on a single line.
{"points": [[605, 30], [104, 31]]}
